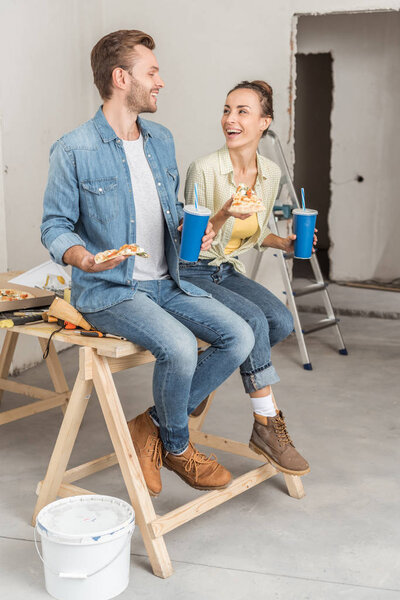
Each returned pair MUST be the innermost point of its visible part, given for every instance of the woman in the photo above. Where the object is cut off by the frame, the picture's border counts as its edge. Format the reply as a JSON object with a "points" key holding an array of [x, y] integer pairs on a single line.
{"points": [[247, 115]]}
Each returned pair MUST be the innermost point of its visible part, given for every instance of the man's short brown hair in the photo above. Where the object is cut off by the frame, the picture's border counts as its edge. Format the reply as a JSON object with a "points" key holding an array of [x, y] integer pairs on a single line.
{"points": [[115, 50]]}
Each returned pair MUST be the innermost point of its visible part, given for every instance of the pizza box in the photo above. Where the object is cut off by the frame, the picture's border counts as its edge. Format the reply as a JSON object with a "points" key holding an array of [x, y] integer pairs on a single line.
{"points": [[41, 297]]}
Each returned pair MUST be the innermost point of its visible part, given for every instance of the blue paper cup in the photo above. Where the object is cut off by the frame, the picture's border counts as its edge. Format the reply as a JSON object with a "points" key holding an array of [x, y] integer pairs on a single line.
{"points": [[194, 226], [303, 227]]}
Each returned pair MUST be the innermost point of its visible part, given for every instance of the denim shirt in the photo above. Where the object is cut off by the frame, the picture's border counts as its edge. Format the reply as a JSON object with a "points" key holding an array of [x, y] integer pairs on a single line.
{"points": [[89, 202]]}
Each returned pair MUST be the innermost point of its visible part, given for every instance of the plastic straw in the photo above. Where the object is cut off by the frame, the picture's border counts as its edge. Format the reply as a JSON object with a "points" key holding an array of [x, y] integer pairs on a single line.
{"points": [[196, 197], [303, 201]]}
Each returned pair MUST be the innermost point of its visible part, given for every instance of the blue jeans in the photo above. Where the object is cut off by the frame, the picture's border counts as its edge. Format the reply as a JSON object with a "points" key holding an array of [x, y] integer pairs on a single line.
{"points": [[268, 317], [166, 321]]}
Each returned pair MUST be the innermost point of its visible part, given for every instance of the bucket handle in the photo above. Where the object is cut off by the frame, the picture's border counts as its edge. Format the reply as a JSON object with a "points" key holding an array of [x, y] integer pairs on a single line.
{"points": [[73, 575]]}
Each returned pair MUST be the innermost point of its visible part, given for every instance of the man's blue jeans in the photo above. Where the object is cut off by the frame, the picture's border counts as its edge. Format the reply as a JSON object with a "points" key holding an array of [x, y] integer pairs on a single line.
{"points": [[166, 321], [268, 317]]}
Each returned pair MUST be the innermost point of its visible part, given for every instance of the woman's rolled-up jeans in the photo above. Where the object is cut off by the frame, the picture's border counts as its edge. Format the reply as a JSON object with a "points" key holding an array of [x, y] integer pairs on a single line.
{"points": [[268, 317]]}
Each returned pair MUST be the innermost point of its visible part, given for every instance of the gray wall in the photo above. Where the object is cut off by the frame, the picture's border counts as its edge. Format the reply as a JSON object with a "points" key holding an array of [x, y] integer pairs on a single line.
{"points": [[365, 140], [203, 49]]}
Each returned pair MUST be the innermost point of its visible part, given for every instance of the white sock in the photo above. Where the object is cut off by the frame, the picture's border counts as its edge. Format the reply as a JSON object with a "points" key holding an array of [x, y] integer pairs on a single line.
{"points": [[264, 406], [179, 453], [156, 423]]}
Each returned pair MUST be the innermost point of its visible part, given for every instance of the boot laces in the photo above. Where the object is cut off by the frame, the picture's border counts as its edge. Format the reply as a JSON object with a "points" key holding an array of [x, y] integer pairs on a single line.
{"points": [[281, 430], [196, 460], [156, 450]]}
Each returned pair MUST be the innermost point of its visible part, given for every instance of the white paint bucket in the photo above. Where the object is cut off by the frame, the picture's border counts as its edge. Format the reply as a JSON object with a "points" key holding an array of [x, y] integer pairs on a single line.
{"points": [[86, 546]]}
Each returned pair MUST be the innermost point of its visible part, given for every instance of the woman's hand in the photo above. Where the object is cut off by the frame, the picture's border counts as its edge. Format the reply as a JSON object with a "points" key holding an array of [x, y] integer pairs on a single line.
{"points": [[208, 237], [225, 210], [286, 244]]}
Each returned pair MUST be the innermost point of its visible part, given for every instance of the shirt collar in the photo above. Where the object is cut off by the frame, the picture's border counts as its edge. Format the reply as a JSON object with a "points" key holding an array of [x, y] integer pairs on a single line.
{"points": [[108, 134], [225, 163]]}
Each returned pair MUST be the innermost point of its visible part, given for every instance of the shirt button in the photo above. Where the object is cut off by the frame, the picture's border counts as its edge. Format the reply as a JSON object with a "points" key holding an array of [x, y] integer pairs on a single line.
{"points": [[175, 239], [100, 189], [149, 155], [118, 141], [129, 281], [168, 212], [159, 183], [123, 160], [132, 220]]}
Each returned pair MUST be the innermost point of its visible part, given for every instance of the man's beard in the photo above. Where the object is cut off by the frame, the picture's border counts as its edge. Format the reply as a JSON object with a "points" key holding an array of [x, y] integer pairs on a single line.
{"points": [[138, 100]]}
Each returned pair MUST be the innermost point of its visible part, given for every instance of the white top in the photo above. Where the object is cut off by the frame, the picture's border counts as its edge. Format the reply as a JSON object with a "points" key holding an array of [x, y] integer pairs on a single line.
{"points": [[149, 215]]}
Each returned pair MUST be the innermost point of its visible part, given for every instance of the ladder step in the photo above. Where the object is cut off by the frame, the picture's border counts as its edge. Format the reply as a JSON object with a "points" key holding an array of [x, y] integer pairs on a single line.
{"points": [[310, 289], [321, 325]]}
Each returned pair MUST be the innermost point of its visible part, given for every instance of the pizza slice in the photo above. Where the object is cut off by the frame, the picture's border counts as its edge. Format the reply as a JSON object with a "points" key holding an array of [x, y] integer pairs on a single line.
{"points": [[245, 201], [125, 250], [7, 294]]}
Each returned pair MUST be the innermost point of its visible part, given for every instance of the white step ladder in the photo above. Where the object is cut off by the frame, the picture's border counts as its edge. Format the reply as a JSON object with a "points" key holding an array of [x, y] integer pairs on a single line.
{"points": [[282, 210]]}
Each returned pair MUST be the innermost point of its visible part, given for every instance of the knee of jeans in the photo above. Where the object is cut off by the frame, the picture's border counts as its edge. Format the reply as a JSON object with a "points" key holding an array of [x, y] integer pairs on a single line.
{"points": [[281, 325], [258, 323], [242, 339], [181, 352]]}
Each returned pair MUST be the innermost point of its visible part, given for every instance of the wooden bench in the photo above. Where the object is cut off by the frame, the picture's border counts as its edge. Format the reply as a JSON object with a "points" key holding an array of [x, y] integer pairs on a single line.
{"points": [[98, 360]]}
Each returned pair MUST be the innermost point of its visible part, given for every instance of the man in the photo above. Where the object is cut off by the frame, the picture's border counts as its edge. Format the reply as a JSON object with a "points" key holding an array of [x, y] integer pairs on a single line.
{"points": [[112, 181]]}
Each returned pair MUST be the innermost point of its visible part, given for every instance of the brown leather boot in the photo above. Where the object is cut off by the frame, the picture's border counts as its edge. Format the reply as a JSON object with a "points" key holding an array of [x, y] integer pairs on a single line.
{"points": [[200, 408], [198, 470], [146, 440], [271, 439]]}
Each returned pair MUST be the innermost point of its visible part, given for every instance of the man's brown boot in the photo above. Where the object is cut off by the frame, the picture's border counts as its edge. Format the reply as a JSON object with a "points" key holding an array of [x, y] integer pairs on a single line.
{"points": [[198, 470], [271, 439], [146, 440]]}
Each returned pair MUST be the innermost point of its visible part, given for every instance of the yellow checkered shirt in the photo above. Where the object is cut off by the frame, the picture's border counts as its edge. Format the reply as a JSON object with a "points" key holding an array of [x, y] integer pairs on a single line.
{"points": [[214, 177]]}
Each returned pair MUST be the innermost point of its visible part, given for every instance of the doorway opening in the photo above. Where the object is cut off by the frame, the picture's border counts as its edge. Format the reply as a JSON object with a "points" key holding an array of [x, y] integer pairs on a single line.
{"points": [[312, 146]]}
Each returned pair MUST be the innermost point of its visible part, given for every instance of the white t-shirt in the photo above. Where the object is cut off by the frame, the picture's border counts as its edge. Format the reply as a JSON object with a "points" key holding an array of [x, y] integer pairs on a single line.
{"points": [[149, 216]]}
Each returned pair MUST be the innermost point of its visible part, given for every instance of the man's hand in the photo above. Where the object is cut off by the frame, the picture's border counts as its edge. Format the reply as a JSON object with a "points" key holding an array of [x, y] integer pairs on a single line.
{"points": [[208, 237], [79, 257], [88, 264]]}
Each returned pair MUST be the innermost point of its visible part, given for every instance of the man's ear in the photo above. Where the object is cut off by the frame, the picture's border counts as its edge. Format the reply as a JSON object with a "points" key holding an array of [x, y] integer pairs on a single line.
{"points": [[120, 78]]}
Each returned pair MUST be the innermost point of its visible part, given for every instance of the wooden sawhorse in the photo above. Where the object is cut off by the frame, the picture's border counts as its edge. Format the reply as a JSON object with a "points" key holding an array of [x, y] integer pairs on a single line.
{"points": [[45, 399], [98, 360]]}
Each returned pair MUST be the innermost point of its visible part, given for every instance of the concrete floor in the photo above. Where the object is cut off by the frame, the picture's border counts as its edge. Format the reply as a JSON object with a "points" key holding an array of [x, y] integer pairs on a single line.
{"points": [[341, 541]]}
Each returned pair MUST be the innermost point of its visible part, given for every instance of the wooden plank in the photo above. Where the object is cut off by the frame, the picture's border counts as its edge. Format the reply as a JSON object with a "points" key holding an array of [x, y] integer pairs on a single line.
{"points": [[225, 444], [66, 490], [117, 364], [25, 390], [54, 367], [65, 441], [181, 515], [129, 464], [6, 356], [113, 347], [33, 408], [295, 486], [93, 466]]}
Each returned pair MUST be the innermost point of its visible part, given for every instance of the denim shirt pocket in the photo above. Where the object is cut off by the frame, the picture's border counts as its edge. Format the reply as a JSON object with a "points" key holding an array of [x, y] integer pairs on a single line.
{"points": [[101, 198]]}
